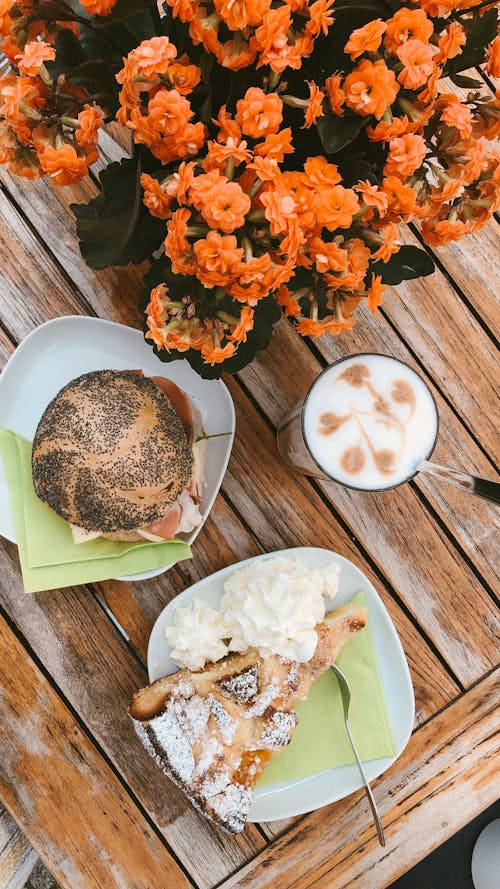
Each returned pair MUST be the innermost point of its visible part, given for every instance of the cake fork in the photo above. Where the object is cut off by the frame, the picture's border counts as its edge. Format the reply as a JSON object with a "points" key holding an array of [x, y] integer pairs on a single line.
{"points": [[345, 693]]}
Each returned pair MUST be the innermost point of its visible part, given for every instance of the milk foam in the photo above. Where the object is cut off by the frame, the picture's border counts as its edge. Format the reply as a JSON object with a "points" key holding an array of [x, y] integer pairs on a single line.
{"points": [[369, 420]]}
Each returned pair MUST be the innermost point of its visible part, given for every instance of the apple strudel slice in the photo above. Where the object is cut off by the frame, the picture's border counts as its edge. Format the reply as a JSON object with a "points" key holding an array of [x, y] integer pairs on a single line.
{"points": [[212, 731]]}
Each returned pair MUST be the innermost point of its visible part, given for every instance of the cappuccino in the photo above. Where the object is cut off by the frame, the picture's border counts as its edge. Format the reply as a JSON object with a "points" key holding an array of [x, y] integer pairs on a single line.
{"points": [[368, 421]]}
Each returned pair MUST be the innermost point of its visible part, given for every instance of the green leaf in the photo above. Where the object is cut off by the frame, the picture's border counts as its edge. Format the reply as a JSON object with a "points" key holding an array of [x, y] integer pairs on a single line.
{"points": [[480, 30], [408, 262], [337, 132], [116, 228]]}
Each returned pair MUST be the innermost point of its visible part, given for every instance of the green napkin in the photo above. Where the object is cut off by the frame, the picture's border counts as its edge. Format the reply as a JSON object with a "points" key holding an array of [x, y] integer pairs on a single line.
{"points": [[320, 740], [49, 558]]}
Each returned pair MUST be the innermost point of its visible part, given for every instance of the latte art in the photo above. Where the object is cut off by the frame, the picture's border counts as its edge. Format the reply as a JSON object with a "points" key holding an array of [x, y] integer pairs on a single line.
{"points": [[369, 420]]}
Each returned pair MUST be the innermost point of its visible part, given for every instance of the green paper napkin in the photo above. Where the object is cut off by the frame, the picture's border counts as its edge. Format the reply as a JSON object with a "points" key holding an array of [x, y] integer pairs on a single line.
{"points": [[49, 558], [320, 740]]}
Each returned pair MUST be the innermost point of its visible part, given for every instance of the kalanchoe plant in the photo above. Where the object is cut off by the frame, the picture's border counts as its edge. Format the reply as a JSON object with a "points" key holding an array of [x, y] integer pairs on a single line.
{"points": [[277, 145]]}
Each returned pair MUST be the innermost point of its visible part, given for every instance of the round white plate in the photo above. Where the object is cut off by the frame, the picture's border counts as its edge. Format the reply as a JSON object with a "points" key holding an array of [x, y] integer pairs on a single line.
{"points": [[485, 864], [296, 797], [60, 350]]}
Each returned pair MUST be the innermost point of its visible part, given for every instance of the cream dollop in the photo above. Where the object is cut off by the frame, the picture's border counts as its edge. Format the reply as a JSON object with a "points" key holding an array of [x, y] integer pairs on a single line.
{"points": [[196, 635], [274, 604]]}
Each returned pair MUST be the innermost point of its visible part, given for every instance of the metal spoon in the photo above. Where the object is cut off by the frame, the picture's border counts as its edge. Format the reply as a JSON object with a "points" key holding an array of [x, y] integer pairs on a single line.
{"points": [[345, 693], [482, 487]]}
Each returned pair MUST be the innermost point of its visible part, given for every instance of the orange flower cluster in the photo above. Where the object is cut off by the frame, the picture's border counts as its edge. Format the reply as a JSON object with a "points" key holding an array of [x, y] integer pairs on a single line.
{"points": [[153, 101], [256, 32], [45, 128], [241, 226]]}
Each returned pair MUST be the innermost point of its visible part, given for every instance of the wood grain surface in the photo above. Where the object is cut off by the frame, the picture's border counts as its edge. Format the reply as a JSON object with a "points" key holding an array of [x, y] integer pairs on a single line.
{"points": [[430, 551]]}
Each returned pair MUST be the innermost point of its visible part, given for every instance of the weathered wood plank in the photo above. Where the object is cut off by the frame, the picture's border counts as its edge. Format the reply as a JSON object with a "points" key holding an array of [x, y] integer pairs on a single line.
{"points": [[17, 857], [447, 775], [97, 673], [65, 797], [452, 346]]}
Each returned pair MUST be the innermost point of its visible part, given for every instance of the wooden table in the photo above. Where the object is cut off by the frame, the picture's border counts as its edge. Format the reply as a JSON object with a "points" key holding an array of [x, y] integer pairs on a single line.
{"points": [[72, 773]]}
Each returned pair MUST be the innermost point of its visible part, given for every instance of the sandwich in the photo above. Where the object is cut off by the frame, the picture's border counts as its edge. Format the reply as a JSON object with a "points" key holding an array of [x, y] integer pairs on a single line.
{"points": [[121, 455], [213, 731]]}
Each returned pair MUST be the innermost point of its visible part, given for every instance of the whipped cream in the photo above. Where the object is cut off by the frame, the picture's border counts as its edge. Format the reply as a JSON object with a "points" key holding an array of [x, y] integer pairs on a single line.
{"points": [[274, 605], [196, 635]]}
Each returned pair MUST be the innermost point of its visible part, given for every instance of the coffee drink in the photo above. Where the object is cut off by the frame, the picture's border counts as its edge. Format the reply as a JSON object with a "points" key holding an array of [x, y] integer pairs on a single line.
{"points": [[368, 421]]}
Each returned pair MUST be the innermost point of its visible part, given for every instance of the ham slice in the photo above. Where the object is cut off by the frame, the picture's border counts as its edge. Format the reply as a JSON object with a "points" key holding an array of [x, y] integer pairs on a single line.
{"points": [[180, 403]]}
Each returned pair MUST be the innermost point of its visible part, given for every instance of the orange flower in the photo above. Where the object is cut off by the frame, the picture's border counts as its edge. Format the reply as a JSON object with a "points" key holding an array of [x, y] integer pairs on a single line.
{"points": [[177, 246], [418, 63], [183, 78], [402, 198], [188, 140], [371, 88], [365, 39], [98, 7], [457, 115], [216, 354], [320, 17], [279, 208], [271, 41], [319, 174], [372, 196], [217, 255], [383, 132], [169, 111], [258, 113], [431, 89], [336, 207], [152, 57], [184, 10], [374, 294], [63, 165], [406, 154], [310, 327], [154, 198], [226, 206], [450, 43], [327, 256], [314, 108], [238, 14], [437, 234], [276, 145], [493, 58], [407, 24], [35, 53], [235, 55], [244, 326], [287, 301], [335, 93], [389, 246], [203, 185], [90, 119], [5, 20], [220, 152], [254, 270], [181, 181]]}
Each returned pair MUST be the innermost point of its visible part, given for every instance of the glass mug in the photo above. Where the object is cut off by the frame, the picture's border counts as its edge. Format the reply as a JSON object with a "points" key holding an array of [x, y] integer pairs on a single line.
{"points": [[369, 422]]}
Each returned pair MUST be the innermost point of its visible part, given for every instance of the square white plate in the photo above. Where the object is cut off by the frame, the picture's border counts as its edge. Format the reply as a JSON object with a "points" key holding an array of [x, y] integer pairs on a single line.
{"points": [[296, 797], [62, 349]]}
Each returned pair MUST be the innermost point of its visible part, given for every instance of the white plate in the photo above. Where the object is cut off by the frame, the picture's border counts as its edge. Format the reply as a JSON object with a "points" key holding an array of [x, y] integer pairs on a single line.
{"points": [[60, 350], [296, 797]]}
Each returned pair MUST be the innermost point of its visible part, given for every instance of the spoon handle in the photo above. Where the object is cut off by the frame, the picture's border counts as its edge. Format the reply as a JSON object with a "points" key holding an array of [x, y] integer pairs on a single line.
{"points": [[482, 487]]}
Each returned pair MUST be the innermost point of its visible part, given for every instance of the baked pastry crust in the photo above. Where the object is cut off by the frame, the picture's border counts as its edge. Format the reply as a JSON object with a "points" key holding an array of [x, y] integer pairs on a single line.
{"points": [[212, 731]]}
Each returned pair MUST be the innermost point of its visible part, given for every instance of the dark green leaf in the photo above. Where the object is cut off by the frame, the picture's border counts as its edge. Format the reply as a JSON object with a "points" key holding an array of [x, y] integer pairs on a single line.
{"points": [[409, 262], [115, 228], [337, 132], [480, 30], [467, 82]]}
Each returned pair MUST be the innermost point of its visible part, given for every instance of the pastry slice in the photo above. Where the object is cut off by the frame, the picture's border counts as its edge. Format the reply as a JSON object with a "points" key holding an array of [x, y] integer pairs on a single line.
{"points": [[212, 731]]}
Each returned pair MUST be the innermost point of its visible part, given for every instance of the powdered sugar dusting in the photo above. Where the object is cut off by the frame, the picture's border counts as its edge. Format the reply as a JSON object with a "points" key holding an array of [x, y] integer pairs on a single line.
{"points": [[244, 686], [263, 700], [225, 722]]}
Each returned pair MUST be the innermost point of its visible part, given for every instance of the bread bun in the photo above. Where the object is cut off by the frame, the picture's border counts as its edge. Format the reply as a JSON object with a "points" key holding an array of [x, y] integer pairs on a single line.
{"points": [[110, 453]]}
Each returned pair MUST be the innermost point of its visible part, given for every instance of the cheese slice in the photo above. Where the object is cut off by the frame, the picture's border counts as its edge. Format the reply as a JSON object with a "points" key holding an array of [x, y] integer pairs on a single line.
{"points": [[80, 535]]}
